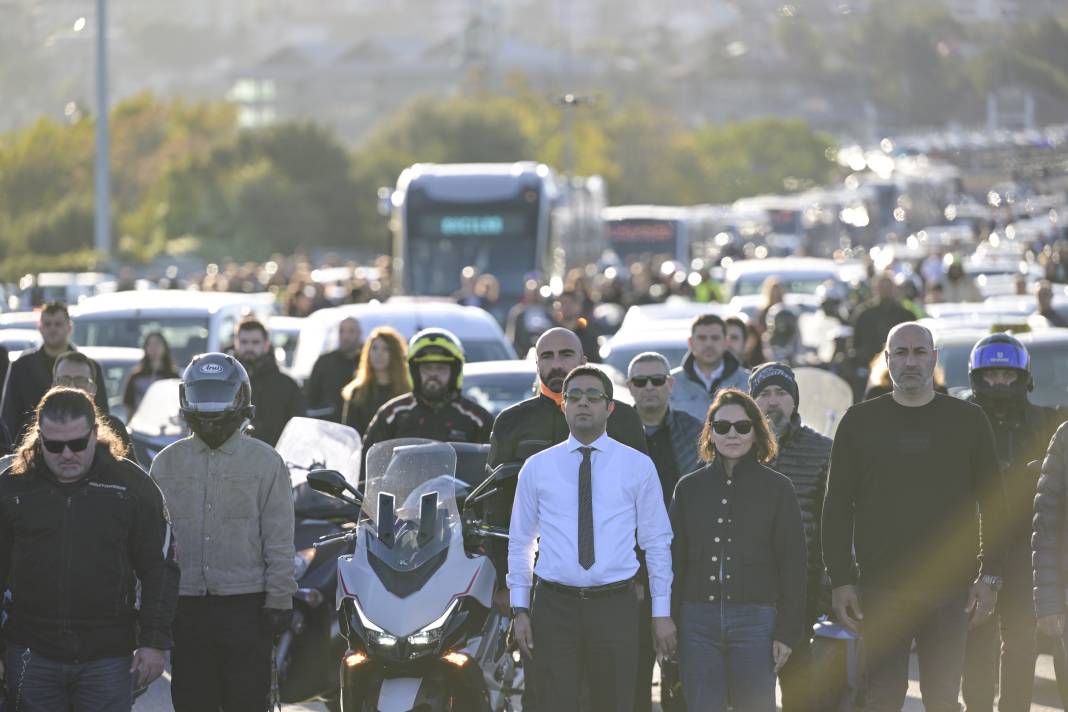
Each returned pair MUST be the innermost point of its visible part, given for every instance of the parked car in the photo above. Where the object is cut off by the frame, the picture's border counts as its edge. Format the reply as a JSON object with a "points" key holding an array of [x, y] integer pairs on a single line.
{"points": [[496, 385], [477, 330], [1049, 353], [618, 351], [285, 332], [798, 275]]}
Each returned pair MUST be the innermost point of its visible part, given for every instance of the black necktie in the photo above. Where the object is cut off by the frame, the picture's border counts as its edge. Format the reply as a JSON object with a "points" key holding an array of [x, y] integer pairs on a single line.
{"points": [[585, 528]]}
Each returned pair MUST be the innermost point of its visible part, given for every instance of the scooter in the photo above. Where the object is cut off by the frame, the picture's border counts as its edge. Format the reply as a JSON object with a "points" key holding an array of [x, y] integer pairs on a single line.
{"points": [[415, 597]]}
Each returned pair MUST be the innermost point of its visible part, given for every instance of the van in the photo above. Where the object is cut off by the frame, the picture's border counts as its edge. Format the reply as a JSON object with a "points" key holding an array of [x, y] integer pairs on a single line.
{"points": [[191, 322]]}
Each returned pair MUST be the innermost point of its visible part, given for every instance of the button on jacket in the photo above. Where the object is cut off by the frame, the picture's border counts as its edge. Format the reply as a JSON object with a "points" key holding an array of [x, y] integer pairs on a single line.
{"points": [[627, 501], [233, 517], [739, 539]]}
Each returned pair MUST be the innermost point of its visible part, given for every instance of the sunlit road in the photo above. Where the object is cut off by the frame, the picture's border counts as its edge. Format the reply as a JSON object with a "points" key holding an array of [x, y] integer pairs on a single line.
{"points": [[158, 699]]}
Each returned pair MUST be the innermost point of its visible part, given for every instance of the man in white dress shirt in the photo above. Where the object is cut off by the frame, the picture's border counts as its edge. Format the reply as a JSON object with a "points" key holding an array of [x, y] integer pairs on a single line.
{"points": [[582, 504]]}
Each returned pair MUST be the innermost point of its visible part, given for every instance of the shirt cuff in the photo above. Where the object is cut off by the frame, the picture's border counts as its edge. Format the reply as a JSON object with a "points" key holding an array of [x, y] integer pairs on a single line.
{"points": [[661, 606], [520, 597]]}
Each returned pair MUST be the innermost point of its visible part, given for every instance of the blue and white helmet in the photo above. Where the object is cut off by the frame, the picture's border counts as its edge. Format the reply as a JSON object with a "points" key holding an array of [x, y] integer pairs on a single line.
{"points": [[1000, 351]]}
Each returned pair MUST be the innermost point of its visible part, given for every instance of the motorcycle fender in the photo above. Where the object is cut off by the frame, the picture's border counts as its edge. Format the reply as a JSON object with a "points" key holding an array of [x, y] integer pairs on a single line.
{"points": [[398, 694]]}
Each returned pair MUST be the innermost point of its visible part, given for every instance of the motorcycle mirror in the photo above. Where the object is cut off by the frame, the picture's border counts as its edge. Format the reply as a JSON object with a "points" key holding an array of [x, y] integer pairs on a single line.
{"points": [[488, 487], [334, 484], [428, 517]]}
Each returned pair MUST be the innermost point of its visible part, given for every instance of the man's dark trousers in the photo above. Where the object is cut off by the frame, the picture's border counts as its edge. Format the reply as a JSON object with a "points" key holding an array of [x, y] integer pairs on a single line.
{"points": [[222, 654], [938, 624], [643, 690], [595, 639], [1009, 636]]}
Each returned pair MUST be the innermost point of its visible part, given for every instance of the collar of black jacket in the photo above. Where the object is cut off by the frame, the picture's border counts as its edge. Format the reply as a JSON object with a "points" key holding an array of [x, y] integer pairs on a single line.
{"points": [[746, 464]]}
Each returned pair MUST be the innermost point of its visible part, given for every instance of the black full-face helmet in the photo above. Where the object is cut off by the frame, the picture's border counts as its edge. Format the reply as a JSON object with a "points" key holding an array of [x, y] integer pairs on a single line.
{"points": [[215, 397]]}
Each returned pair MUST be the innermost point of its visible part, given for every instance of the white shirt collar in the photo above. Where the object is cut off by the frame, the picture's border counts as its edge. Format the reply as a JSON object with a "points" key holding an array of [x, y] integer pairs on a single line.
{"points": [[716, 374], [601, 444]]}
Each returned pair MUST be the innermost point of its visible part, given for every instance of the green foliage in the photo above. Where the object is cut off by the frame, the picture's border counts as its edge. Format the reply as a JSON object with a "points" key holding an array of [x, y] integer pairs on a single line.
{"points": [[184, 176]]}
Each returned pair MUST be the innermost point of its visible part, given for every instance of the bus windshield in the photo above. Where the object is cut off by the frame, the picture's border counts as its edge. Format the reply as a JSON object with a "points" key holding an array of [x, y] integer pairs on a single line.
{"points": [[442, 242]]}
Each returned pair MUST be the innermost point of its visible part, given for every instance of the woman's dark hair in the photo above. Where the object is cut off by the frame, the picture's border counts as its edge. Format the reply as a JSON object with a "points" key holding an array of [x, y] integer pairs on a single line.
{"points": [[765, 445], [144, 367], [587, 370], [358, 389], [64, 405]]}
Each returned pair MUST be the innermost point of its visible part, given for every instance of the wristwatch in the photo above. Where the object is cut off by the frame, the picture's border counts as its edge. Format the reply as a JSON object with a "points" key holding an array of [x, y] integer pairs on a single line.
{"points": [[517, 611], [994, 582]]}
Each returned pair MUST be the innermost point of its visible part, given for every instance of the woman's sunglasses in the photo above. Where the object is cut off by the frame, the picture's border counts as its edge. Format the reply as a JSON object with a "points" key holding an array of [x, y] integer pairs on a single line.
{"points": [[742, 427]]}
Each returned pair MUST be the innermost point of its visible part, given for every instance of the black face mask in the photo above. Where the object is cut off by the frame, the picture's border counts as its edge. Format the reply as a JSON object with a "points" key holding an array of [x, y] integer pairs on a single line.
{"points": [[214, 430]]}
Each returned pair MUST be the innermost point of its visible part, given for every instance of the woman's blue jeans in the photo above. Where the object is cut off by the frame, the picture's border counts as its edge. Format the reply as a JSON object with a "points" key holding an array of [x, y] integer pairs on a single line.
{"points": [[725, 653]]}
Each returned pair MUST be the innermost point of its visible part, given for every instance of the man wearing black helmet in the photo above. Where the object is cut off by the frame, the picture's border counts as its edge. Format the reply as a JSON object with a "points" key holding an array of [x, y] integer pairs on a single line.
{"points": [[1000, 373], [230, 497], [434, 409]]}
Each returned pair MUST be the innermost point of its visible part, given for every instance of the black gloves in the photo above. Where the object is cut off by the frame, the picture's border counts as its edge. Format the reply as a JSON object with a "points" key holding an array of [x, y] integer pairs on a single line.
{"points": [[276, 620]]}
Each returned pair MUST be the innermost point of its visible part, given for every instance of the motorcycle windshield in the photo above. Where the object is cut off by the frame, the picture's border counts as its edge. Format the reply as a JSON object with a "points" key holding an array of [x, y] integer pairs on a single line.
{"points": [[308, 444], [420, 475], [160, 415]]}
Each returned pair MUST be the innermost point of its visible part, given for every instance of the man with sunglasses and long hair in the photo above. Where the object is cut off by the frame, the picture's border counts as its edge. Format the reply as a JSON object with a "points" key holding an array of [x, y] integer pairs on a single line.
{"points": [[583, 504], [672, 438], [79, 527]]}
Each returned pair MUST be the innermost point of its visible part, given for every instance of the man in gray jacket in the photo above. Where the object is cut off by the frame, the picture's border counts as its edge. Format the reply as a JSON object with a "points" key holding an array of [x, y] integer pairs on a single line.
{"points": [[804, 456], [672, 438], [231, 500], [708, 367]]}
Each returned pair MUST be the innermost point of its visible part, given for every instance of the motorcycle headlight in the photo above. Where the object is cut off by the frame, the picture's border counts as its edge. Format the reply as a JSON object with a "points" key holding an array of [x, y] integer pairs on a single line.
{"points": [[428, 639], [376, 637]]}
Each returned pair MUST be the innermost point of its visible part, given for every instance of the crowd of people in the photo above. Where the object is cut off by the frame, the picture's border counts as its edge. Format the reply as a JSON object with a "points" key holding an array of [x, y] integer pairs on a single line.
{"points": [[917, 523]]}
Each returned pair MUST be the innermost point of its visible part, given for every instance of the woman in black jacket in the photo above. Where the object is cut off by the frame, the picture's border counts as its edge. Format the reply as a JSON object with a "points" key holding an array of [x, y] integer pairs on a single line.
{"points": [[739, 560]]}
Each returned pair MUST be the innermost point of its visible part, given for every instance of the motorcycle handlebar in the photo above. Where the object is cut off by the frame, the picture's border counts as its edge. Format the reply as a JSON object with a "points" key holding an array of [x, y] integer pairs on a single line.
{"points": [[330, 539]]}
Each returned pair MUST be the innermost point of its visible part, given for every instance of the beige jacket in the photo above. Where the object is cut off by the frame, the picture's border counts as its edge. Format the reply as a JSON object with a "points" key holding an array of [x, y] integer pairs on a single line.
{"points": [[233, 517]]}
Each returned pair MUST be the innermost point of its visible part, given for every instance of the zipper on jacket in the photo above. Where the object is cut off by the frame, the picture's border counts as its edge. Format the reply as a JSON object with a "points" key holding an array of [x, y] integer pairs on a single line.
{"points": [[64, 566]]}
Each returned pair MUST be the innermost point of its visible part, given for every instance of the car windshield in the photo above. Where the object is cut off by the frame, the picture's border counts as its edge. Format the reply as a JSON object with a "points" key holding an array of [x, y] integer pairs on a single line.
{"points": [[497, 391], [159, 414], [620, 357], [187, 336]]}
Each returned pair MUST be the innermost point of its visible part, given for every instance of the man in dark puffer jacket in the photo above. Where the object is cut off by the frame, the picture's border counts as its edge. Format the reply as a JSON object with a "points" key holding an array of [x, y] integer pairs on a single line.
{"points": [[1050, 539], [803, 457]]}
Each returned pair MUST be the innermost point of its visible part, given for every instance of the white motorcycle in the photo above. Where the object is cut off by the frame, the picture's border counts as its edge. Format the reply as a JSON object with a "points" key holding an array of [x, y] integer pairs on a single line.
{"points": [[415, 597]]}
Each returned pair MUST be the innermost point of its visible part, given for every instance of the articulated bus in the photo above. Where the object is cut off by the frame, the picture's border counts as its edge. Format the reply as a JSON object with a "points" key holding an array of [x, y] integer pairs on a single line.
{"points": [[505, 219]]}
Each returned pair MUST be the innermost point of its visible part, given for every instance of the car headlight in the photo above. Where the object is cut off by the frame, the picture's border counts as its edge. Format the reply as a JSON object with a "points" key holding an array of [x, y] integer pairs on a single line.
{"points": [[375, 635], [428, 639]]}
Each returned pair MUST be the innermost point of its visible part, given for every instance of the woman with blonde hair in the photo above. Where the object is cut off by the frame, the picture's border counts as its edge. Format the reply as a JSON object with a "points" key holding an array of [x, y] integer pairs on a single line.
{"points": [[381, 375], [739, 562]]}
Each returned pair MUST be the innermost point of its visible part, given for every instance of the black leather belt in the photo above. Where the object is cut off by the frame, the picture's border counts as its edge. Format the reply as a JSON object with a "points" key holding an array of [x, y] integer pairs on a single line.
{"points": [[588, 592]]}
